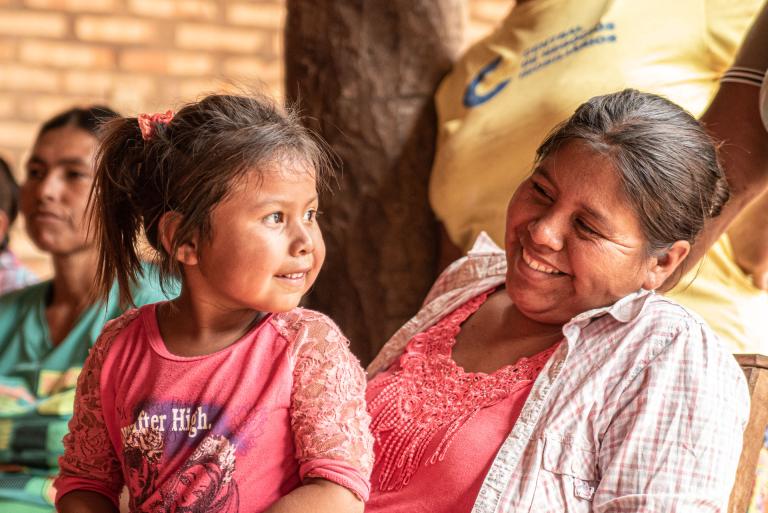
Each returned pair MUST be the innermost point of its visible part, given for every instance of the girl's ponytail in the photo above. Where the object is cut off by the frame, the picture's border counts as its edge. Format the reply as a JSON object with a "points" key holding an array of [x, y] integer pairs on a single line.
{"points": [[115, 207]]}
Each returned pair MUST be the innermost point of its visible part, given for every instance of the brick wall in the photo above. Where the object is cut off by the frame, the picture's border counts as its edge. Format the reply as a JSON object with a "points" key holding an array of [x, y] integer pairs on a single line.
{"points": [[138, 55]]}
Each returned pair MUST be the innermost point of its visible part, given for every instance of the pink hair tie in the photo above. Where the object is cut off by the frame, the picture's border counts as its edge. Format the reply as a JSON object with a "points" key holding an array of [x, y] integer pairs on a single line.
{"points": [[147, 123]]}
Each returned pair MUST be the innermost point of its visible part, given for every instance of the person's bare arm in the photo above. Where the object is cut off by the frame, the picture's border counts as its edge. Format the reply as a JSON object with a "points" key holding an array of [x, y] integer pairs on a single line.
{"points": [[81, 501], [749, 238], [318, 496], [734, 118]]}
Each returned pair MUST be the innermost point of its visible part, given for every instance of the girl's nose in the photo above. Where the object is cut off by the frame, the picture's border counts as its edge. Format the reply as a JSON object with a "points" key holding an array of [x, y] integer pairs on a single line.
{"points": [[547, 231], [303, 243]]}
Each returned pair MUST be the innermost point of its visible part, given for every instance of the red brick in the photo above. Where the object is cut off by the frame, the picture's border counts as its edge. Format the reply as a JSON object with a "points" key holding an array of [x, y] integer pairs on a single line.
{"points": [[41, 106], [7, 49], [115, 29], [17, 134], [270, 16], [27, 23], [66, 55], [73, 5], [240, 68], [101, 84], [193, 9], [217, 37], [160, 61], [24, 78]]}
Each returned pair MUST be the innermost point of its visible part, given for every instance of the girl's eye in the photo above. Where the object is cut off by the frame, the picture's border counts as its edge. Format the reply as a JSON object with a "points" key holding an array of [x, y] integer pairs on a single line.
{"points": [[311, 215], [274, 218]]}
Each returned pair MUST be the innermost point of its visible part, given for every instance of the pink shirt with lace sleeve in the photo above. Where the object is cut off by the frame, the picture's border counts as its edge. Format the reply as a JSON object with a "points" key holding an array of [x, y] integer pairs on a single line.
{"points": [[238, 428]]}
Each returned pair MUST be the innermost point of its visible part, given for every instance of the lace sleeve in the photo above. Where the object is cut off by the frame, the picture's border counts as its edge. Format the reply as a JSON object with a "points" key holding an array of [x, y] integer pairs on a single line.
{"points": [[89, 462], [328, 414]]}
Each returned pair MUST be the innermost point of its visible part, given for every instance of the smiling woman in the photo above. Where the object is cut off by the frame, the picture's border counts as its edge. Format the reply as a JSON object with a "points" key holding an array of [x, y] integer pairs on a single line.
{"points": [[549, 376], [47, 330]]}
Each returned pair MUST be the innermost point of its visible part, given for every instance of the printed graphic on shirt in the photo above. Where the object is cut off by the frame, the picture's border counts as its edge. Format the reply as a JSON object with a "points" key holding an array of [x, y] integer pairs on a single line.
{"points": [[203, 481], [535, 58]]}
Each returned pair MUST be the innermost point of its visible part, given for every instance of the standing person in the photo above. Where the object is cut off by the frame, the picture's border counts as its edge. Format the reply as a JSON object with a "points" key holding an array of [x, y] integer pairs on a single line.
{"points": [[47, 329], [229, 398], [549, 376], [13, 275]]}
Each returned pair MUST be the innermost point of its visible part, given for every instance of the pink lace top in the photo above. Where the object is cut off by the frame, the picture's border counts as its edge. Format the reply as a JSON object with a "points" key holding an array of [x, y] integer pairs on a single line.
{"points": [[231, 431], [437, 428]]}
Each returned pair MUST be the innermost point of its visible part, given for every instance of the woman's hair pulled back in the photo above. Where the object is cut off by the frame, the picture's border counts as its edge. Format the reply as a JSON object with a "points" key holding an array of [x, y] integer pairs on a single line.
{"points": [[186, 166], [668, 164]]}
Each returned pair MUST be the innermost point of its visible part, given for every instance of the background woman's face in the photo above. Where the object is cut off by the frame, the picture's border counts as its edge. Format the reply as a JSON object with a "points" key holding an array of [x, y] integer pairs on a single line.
{"points": [[573, 241], [55, 193]]}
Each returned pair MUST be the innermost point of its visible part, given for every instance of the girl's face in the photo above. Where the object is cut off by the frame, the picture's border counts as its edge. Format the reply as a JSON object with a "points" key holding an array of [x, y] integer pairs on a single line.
{"points": [[55, 193], [573, 241], [266, 248]]}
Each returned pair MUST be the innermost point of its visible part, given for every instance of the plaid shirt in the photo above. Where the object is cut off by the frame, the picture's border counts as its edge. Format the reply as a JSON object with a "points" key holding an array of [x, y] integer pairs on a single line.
{"points": [[641, 409]]}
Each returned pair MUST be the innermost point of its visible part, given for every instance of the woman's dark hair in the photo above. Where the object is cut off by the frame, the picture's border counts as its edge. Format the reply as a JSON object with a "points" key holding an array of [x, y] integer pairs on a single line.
{"points": [[84, 118], [668, 164], [9, 198], [187, 166]]}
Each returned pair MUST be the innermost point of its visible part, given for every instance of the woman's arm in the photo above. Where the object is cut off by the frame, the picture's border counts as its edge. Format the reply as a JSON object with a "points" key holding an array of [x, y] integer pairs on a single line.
{"points": [[734, 118]]}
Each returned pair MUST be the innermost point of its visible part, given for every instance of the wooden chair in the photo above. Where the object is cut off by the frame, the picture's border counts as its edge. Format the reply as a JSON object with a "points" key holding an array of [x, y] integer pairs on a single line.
{"points": [[755, 368]]}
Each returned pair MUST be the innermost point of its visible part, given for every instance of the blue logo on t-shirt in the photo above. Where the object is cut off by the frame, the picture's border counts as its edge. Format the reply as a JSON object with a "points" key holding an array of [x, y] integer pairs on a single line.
{"points": [[471, 97], [540, 56]]}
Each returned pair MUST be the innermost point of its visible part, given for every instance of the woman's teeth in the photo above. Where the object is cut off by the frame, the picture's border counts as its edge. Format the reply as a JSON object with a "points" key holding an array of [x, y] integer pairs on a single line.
{"points": [[537, 265]]}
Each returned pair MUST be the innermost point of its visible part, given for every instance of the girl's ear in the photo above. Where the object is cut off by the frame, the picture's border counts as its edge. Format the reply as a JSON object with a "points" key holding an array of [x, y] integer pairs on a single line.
{"points": [[166, 230], [663, 266]]}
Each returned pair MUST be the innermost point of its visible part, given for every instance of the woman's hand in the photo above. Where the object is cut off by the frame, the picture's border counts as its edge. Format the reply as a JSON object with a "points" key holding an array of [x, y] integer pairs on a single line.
{"points": [[318, 496], [749, 238]]}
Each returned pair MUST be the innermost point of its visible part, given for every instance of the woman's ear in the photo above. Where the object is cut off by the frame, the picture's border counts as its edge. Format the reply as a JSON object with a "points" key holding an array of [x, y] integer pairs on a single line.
{"points": [[663, 266], [166, 230]]}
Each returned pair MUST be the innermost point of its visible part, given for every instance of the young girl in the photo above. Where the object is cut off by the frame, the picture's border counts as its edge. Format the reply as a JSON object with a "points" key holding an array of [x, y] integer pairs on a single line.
{"points": [[229, 398]]}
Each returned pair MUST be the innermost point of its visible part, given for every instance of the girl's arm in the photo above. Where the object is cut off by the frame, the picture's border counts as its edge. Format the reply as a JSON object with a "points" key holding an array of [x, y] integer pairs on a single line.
{"points": [[85, 502], [90, 478], [330, 425], [323, 496]]}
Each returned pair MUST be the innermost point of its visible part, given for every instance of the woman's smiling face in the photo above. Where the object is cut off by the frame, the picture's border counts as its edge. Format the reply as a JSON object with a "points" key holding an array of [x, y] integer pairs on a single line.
{"points": [[573, 240]]}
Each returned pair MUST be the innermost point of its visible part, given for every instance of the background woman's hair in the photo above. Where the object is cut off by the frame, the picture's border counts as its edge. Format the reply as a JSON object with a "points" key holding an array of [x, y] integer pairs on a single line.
{"points": [[9, 199], [668, 164], [188, 166], [89, 119]]}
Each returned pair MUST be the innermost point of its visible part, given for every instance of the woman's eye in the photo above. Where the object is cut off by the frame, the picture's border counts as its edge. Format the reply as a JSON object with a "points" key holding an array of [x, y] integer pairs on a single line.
{"points": [[34, 173], [74, 174], [584, 227], [274, 218], [541, 191]]}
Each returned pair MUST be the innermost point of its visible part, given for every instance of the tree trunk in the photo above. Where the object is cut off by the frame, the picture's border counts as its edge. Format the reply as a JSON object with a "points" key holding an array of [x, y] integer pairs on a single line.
{"points": [[363, 73]]}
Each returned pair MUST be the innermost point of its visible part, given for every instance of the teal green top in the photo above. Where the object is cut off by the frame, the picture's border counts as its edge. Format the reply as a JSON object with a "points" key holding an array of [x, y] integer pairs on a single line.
{"points": [[38, 379]]}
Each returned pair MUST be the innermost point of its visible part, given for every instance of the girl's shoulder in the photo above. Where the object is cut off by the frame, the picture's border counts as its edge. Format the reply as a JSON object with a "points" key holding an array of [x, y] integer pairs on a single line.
{"points": [[300, 326], [114, 327]]}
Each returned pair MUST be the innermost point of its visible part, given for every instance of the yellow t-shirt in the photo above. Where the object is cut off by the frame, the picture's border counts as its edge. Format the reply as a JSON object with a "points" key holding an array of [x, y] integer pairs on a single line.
{"points": [[509, 90], [723, 295]]}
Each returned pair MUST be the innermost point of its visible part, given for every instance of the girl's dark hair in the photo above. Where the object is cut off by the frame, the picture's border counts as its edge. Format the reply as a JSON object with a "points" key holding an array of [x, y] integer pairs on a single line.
{"points": [[668, 164], [84, 118], [9, 198], [187, 166]]}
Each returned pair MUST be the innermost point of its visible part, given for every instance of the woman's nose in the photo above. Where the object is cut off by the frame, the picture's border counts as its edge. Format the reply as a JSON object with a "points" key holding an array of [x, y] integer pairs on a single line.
{"points": [[547, 231], [48, 187]]}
